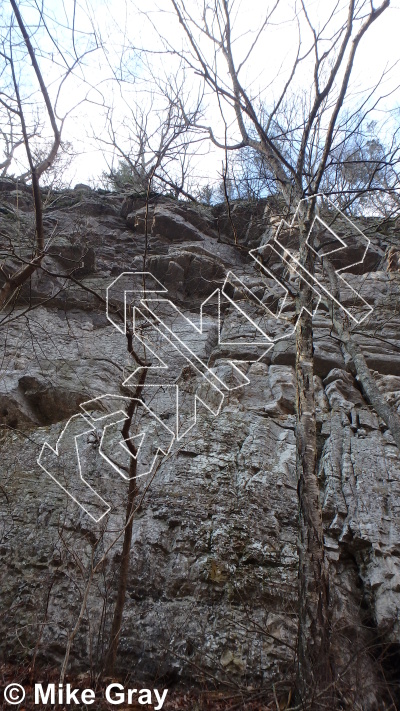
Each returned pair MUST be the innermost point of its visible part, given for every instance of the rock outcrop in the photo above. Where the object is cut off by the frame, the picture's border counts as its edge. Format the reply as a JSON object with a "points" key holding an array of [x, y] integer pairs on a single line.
{"points": [[213, 575]]}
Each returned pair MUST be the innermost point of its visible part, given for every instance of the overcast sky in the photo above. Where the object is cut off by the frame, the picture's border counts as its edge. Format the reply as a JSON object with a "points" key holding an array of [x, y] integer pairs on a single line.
{"points": [[123, 24]]}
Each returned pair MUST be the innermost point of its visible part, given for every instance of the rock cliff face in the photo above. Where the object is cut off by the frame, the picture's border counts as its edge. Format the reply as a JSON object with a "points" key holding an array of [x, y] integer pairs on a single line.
{"points": [[213, 574]]}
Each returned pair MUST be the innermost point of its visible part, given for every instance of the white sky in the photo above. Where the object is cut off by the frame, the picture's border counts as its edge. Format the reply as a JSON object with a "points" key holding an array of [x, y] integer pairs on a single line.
{"points": [[121, 23]]}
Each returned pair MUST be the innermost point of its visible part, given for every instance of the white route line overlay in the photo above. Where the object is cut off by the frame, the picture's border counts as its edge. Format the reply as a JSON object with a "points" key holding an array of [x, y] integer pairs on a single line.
{"points": [[137, 285]]}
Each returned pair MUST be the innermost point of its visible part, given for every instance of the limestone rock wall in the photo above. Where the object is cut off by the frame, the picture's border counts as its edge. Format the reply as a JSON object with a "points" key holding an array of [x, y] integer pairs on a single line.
{"points": [[213, 574]]}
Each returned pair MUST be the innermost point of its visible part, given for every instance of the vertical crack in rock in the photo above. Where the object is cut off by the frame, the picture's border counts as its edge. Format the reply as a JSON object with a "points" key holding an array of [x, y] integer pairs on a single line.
{"points": [[212, 585]]}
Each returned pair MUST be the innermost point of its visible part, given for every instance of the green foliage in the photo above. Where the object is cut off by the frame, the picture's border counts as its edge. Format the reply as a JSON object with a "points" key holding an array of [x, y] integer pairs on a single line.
{"points": [[126, 177], [364, 164], [206, 194]]}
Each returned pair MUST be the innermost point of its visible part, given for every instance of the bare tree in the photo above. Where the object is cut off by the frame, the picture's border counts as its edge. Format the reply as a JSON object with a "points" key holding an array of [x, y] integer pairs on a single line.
{"points": [[16, 278], [29, 119], [299, 147], [151, 136], [11, 135], [298, 141]]}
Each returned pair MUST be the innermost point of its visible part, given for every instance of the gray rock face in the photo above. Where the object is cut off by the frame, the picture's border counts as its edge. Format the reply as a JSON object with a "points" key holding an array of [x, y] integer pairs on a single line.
{"points": [[212, 586]]}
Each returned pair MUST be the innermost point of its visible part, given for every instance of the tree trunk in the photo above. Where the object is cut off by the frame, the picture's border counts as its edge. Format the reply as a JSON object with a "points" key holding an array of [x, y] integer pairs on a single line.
{"points": [[359, 366], [314, 672], [130, 508], [123, 575], [369, 387]]}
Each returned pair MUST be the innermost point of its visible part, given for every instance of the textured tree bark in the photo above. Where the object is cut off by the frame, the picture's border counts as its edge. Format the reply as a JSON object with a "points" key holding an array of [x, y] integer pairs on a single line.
{"points": [[126, 545], [123, 575], [314, 670], [22, 275]]}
